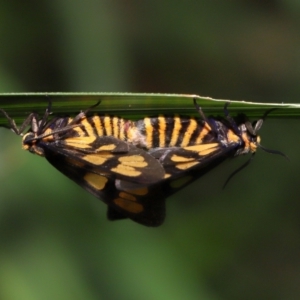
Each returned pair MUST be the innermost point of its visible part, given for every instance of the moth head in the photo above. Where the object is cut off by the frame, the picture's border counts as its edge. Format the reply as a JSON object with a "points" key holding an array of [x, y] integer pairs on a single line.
{"points": [[250, 137], [30, 143], [248, 133]]}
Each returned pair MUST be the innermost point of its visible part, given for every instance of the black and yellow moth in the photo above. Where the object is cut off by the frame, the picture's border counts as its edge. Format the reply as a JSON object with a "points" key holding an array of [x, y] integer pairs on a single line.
{"points": [[133, 166]]}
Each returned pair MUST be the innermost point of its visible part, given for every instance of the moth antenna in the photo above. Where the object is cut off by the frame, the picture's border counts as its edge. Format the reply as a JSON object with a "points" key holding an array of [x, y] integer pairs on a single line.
{"points": [[239, 169], [260, 122], [267, 112], [273, 151], [250, 128], [62, 130], [257, 126]]}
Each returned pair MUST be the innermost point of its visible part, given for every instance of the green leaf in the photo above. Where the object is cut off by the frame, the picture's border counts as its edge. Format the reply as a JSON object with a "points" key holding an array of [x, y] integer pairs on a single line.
{"points": [[133, 106]]}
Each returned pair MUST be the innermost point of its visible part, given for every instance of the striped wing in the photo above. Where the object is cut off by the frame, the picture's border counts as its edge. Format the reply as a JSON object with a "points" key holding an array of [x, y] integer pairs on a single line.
{"points": [[134, 183], [177, 160], [180, 173]]}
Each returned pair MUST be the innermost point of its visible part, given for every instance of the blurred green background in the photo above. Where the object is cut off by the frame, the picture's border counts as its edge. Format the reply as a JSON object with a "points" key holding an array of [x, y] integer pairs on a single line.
{"points": [[239, 243]]}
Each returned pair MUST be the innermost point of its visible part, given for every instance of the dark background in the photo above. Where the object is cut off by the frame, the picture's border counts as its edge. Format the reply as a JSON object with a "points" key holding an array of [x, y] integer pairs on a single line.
{"points": [[239, 243]]}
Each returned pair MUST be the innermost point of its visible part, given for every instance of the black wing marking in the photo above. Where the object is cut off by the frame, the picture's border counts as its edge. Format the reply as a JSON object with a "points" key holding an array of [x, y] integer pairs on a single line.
{"points": [[108, 156], [178, 160], [140, 203]]}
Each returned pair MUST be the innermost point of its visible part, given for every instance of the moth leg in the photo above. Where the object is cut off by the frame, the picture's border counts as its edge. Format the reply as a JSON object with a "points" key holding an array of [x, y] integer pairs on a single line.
{"points": [[12, 123], [83, 114]]}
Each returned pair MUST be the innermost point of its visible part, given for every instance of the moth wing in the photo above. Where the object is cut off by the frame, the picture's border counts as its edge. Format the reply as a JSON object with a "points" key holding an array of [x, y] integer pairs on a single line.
{"points": [[142, 204], [177, 160], [109, 156], [185, 165], [139, 203]]}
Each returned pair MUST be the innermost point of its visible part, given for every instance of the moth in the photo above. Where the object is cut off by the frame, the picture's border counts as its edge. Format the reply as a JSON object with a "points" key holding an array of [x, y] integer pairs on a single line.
{"points": [[133, 166]]}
